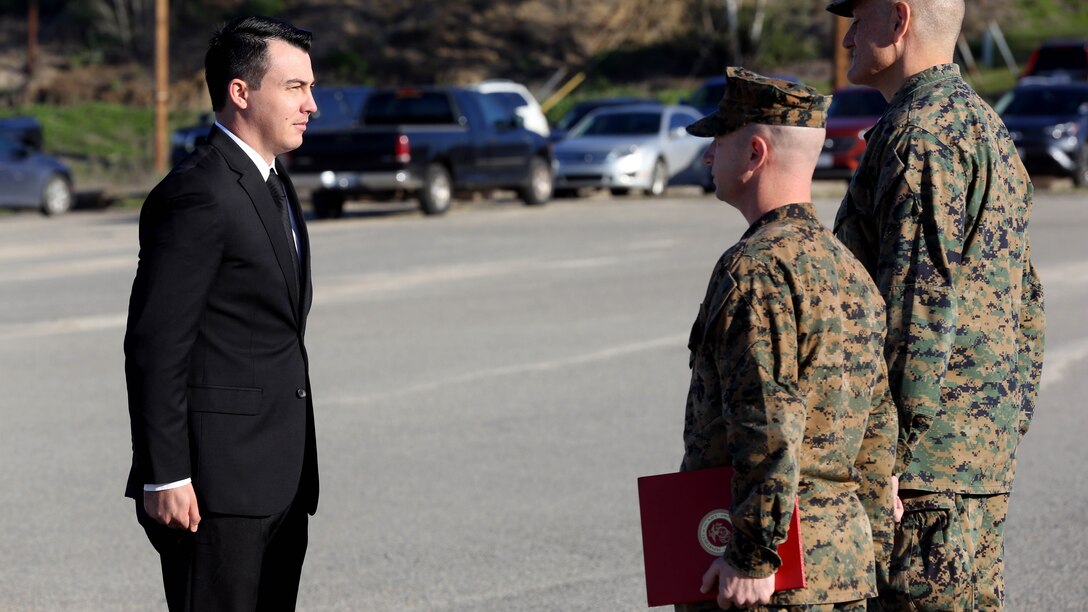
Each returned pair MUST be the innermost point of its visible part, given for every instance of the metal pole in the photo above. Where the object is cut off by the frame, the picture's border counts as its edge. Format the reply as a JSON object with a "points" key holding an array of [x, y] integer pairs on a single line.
{"points": [[840, 59], [31, 37], [162, 82]]}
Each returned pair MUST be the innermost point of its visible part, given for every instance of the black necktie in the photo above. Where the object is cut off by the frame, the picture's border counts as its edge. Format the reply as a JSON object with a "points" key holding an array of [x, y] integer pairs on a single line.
{"points": [[279, 196]]}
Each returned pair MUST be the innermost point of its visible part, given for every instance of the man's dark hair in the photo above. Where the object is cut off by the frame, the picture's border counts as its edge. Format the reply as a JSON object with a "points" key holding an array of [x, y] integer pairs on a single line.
{"points": [[239, 50]]}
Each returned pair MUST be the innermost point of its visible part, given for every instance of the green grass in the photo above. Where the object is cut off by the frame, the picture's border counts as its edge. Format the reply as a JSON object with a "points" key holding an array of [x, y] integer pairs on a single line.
{"points": [[105, 144]]}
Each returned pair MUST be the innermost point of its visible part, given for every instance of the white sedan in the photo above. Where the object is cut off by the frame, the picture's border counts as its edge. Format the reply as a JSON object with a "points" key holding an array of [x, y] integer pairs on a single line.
{"points": [[620, 148]]}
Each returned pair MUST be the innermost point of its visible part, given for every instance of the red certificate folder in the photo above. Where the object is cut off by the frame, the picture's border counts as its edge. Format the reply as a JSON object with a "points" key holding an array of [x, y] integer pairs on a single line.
{"points": [[685, 526]]}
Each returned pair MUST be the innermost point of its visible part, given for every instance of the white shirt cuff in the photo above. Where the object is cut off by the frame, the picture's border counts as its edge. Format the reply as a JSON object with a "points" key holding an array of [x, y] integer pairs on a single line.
{"points": [[169, 485]]}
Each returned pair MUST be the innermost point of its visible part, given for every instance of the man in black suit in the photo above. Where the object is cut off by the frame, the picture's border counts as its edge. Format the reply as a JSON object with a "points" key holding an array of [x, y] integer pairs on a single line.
{"points": [[224, 462]]}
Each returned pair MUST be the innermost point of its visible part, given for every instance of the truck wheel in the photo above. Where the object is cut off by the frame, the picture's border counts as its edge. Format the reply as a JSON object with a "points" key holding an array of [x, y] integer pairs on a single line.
{"points": [[328, 204], [1080, 173], [659, 180], [437, 192], [56, 196], [538, 190]]}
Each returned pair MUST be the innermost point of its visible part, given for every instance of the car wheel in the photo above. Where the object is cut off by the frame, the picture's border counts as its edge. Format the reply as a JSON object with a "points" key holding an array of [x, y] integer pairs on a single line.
{"points": [[437, 192], [538, 190], [659, 180], [56, 196], [1080, 175], [328, 204], [619, 191]]}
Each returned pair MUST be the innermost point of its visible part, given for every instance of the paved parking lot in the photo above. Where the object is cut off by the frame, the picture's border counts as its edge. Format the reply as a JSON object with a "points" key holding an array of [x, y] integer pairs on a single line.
{"points": [[488, 387]]}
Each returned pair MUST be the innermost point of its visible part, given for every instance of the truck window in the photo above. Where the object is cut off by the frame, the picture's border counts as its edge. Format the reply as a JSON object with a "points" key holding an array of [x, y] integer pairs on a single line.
{"points": [[494, 111], [408, 107]]}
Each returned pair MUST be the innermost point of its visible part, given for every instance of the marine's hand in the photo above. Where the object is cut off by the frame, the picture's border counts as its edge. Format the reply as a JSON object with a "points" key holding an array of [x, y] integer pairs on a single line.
{"points": [[175, 508], [735, 589], [897, 508]]}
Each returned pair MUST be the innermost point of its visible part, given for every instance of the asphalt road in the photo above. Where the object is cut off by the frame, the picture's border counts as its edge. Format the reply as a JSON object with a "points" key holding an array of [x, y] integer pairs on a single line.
{"points": [[489, 385]]}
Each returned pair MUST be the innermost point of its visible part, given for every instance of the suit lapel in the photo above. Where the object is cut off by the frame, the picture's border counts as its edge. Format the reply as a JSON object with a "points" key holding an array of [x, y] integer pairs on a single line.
{"points": [[250, 181]]}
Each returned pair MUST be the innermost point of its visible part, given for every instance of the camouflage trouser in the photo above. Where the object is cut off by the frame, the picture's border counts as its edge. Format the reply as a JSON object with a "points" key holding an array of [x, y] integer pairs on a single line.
{"points": [[948, 554], [846, 606]]}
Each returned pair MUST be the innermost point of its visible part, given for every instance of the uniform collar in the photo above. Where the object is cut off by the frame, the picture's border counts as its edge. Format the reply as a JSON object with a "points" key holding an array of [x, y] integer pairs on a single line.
{"points": [[925, 78], [802, 211]]}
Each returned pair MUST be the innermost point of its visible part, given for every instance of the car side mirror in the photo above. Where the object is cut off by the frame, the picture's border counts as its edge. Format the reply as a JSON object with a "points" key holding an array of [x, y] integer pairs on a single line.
{"points": [[678, 133], [510, 123]]}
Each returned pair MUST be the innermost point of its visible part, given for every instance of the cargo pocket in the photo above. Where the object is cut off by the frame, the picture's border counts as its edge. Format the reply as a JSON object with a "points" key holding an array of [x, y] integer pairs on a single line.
{"points": [[928, 567]]}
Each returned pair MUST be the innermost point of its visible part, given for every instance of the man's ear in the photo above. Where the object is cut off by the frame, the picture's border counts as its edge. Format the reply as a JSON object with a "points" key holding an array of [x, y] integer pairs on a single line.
{"points": [[758, 152], [238, 93], [901, 15]]}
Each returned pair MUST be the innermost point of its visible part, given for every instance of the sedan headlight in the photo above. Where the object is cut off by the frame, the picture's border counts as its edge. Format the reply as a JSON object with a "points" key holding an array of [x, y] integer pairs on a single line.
{"points": [[623, 151], [1063, 130]]}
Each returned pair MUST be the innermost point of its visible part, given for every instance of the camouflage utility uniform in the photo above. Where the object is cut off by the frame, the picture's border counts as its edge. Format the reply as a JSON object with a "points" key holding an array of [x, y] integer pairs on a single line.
{"points": [[938, 213], [789, 387]]}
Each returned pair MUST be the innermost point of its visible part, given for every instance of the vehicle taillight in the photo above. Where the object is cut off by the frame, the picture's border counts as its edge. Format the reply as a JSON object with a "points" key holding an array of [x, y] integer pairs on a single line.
{"points": [[1030, 68], [401, 150]]}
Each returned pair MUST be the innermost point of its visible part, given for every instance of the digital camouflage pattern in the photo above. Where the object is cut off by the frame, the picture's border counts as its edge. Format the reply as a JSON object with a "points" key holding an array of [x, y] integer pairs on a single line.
{"points": [[938, 213], [754, 98], [947, 554], [848, 606], [789, 387]]}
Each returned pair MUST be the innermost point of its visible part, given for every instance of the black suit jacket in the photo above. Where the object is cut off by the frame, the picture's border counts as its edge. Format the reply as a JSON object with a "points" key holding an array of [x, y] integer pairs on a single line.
{"points": [[217, 372]]}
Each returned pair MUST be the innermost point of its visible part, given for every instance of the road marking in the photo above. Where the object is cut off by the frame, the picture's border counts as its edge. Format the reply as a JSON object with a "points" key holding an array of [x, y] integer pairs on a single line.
{"points": [[1063, 276], [1058, 362], [63, 326], [61, 269], [537, 366]]}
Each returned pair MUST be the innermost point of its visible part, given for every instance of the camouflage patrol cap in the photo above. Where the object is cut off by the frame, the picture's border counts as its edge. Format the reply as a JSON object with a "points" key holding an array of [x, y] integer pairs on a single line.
{"points": [[842, 8], [753, 98]]}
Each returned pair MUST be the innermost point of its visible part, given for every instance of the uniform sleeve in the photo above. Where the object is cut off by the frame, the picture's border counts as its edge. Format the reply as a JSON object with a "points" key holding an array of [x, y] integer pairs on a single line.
{"points": [[757, 363], [180, 249], [921, 221], [874, 463], [1031, 341]]}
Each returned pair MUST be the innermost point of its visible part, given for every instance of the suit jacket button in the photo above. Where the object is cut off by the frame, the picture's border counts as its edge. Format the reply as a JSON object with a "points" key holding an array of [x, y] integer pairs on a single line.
{"points": [[300, 393]]}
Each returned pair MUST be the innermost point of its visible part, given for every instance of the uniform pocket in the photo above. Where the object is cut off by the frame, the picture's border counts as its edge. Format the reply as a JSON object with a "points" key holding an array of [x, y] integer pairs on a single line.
{"points": [[225, 400], [929, 566]]}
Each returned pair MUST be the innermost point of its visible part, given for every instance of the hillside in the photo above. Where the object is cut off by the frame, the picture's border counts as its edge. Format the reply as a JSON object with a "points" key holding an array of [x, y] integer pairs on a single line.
{"points": [[391, 42]]}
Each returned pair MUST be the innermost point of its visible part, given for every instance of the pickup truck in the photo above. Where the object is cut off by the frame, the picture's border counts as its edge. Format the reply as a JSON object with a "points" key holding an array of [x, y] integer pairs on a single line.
{"points": [[426, 142]]}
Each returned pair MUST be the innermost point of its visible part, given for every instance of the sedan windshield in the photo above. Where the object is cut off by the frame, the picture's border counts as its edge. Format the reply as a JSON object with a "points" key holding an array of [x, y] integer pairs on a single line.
{"points": [[1042, 101], [620, 124]]}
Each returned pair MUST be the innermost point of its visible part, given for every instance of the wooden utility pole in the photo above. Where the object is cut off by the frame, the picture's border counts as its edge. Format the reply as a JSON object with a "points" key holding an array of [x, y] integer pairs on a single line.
{"points": [[162, 83], [31, 37], [840, 58]]}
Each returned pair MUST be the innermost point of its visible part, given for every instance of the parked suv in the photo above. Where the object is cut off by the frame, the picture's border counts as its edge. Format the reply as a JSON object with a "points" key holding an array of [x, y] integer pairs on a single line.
{"points": [[1059, 57], [1049, 124]]}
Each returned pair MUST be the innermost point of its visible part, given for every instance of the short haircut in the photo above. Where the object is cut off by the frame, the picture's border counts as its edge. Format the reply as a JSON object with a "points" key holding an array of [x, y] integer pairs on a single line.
{"points": [[239, 50], [939, 21]]}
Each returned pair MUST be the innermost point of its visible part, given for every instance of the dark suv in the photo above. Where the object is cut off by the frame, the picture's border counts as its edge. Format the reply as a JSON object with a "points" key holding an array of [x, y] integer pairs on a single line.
{"points": [[1059, 57], [1048, 121]]}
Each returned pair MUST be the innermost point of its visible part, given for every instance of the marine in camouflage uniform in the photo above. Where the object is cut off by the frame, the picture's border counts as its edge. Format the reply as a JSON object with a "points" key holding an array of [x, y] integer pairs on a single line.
{"points": [[789, 383], [938, 212]]}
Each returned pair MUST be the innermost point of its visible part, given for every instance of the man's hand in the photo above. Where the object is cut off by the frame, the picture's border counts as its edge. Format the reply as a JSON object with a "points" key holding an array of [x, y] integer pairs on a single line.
{"points": [[175, 508], [735, 589], [897, 508]]}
